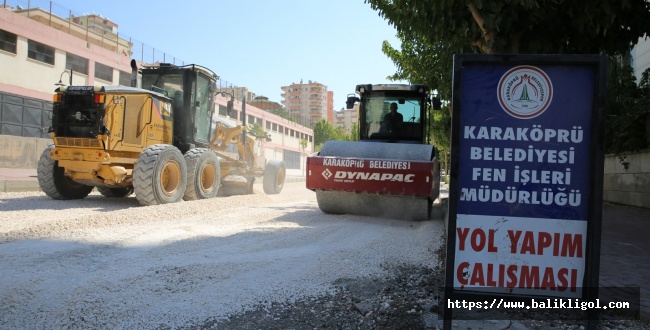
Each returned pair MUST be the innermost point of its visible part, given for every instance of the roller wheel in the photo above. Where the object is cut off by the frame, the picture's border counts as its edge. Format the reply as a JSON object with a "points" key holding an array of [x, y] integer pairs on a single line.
{"points": [[54, 183], [160, 175], [115, 192], [203, 174], [274, 175]]}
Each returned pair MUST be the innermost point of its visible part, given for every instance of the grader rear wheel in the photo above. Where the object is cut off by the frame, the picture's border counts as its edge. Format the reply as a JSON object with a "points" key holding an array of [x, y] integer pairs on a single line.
{"points": [[203, 174], [54, 183], [160, 175]]}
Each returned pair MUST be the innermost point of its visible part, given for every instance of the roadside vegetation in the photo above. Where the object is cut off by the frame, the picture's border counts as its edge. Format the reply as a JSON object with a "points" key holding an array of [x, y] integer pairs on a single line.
{"points": [[432, 31]]}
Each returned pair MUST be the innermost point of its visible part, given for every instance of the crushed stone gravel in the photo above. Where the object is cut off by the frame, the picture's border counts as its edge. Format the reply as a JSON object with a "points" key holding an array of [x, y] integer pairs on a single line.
{"points": [[240, 262], [110, 263]]}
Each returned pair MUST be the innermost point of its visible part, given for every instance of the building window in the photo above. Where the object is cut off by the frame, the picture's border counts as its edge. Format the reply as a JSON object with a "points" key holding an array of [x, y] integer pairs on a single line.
{"points": [[76, 63], [251, 119], [223, 110], [125, 78], [103, 72], [268, 125], [8, 41], [40, 52], [291, 159]]}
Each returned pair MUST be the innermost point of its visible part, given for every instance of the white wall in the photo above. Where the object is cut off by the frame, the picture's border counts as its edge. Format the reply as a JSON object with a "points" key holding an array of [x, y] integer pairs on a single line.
{"points": [[631, 185]]}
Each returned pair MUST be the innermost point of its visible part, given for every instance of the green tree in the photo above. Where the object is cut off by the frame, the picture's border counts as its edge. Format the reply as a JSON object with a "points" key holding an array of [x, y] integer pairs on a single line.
{"points": [[432, 31], [257, 130], [281, 112], [628, 104], [303, 144], [519, 26], [323, 131], [440, 124], [354, 135], [339, 134]]}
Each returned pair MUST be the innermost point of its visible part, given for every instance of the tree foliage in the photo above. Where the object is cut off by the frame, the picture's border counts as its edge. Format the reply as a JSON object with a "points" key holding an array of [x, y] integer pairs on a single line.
{"points": [[303, 144], [354, 135], [257, 130], [520, 26], [628, 105], [324, 131], [432, 31], [440, 124]]}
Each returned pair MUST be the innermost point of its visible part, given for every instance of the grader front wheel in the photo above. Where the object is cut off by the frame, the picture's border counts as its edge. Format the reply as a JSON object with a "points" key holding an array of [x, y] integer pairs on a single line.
{"points": [[274, 175]]}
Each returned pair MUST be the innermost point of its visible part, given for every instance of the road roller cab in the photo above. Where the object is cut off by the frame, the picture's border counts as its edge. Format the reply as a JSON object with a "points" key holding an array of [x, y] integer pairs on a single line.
{"points": [[392, 171]]}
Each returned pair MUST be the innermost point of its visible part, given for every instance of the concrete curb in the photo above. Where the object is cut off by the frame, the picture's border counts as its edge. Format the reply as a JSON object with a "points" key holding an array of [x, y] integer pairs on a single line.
{"points": [[19, 185]]}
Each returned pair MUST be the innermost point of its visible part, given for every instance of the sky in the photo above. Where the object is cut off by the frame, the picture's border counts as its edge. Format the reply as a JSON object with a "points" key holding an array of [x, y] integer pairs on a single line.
{"points": [[261, 44]]}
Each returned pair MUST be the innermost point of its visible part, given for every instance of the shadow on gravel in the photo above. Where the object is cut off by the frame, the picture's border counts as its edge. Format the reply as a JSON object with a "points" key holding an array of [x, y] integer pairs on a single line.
{"points": [[46, 203], [310, 216]]}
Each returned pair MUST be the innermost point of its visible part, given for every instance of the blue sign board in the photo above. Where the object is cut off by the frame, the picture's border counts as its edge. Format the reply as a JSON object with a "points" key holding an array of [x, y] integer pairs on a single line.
{"points": [[525, 141], [526, 174]]}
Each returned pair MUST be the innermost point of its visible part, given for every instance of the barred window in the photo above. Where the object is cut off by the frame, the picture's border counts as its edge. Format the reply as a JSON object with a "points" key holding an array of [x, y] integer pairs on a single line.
{"points": [[291, 159], [223, 110], [8, 41], [38, 51], [125, 78], [76, 63], [103, 72]]}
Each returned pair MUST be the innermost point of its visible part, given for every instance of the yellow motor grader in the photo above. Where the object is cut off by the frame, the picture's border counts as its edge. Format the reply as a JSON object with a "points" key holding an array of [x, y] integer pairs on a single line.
{"points": [[159, 142]]}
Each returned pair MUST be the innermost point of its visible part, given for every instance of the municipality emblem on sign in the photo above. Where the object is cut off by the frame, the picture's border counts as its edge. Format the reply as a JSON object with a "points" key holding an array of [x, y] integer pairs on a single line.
{"points": [[525, 92]]}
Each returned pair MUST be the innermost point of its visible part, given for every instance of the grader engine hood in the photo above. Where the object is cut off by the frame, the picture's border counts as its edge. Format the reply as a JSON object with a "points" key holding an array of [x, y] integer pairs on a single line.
{"points": [[372, 176]]}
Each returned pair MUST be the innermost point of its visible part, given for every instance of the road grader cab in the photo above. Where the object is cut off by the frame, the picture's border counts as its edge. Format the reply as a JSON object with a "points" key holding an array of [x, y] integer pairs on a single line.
{"points": [[392, 171], [160, 142]]}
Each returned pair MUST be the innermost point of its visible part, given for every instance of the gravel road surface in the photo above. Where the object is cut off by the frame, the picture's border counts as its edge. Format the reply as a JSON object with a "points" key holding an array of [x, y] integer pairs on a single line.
{"points": [[110, 263]]}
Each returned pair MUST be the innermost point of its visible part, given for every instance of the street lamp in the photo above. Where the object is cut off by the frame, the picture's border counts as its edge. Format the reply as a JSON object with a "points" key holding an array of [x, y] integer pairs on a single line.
{"points": [[230, 103], [60, 83]]}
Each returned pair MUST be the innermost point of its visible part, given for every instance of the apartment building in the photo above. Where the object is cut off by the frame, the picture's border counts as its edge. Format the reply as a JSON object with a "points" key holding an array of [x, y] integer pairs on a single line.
{"points": [[346, 118], [35, 57], [309, 102]]}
